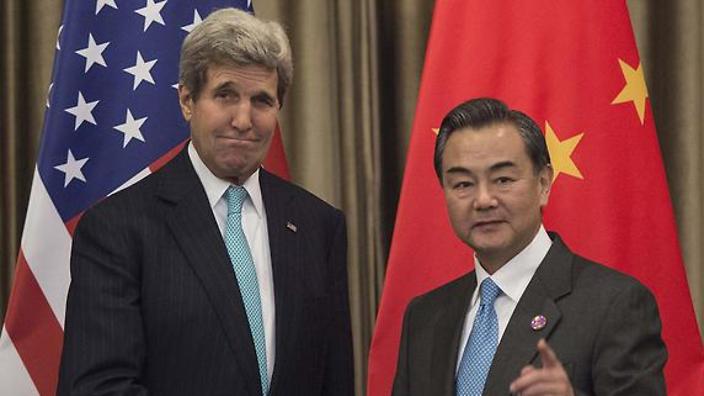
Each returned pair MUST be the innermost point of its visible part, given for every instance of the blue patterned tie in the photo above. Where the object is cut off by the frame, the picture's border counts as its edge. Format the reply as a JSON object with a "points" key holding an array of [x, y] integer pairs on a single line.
{"points": [[242, 261], [481, 344]]}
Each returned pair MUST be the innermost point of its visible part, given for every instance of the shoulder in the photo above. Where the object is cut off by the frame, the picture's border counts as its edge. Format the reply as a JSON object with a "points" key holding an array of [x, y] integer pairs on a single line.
{"points": [[588, 274], [137, 200], [281, 189], [562, 263], [445, 294], [598, 283], [449, 289]]}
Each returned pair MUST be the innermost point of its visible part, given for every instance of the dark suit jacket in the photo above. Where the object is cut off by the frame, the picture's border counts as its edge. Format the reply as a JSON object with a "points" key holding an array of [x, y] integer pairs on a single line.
{"points": [[604, 327], [154, 306]]}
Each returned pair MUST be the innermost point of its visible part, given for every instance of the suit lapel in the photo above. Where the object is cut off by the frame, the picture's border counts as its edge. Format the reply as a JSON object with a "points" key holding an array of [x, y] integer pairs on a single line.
{"points": [[193, 225], [283, 243], [551, 281], [447, 336]]}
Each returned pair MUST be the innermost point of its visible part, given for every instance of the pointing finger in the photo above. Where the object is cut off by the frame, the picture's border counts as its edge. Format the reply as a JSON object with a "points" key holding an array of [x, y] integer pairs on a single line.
{"points": [[527, 369], [547, 355]]}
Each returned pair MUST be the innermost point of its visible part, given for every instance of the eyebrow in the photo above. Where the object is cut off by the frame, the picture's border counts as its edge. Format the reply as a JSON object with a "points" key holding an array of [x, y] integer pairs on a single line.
{"points": [[265, 95], [231, 85], [493, 168], [458, 169], [502, 165], [226, 84]]}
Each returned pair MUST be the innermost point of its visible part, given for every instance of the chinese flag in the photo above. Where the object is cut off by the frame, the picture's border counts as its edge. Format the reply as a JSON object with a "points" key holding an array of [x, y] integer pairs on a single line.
{"points": [[275, 160], [574, 68]]}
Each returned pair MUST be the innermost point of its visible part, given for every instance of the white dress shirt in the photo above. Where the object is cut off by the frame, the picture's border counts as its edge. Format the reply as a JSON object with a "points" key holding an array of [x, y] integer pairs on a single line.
{"points": [[512, 279], [255, 230]]}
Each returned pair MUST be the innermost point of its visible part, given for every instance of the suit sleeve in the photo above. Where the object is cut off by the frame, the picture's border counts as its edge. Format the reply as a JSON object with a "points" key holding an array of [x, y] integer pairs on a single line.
{"points": [[104, 346], [339, 369], [401, 386], [630, 354]]}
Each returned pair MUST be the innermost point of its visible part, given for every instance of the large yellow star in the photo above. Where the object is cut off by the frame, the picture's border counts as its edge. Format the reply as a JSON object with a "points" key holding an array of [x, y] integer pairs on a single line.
{"points": [[560, 152], [635, 90]]}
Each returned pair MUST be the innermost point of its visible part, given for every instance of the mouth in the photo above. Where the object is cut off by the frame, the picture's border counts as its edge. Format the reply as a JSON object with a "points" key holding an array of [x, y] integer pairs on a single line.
{"points": [[239, 140], [486, 224]]}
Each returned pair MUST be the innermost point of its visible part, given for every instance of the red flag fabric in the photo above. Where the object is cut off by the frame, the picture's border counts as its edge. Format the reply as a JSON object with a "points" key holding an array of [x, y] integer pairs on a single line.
{"points": [[574, 68], [275, 160]]}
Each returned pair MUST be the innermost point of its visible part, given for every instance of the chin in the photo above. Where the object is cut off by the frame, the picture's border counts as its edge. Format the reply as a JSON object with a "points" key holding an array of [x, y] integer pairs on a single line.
{"points": [[488, 245], [486, 249]]}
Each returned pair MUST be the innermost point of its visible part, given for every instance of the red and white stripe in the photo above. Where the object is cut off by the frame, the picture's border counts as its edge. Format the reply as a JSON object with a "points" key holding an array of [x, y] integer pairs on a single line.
{"points": [[32, 335]]}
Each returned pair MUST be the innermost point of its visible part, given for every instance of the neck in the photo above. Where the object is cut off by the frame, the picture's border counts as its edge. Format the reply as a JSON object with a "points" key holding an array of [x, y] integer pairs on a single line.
{"points": [[493, 261], [491, 264]]}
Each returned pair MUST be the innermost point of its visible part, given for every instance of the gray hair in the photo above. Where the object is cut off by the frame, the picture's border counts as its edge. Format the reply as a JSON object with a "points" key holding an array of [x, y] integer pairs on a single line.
{"points": [[482, 112], [234, 37]]}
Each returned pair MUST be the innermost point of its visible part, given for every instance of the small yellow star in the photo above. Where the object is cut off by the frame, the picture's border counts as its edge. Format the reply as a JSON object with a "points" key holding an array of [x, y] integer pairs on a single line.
{"points": [[560, 152], [635, 90], [436, 131]]}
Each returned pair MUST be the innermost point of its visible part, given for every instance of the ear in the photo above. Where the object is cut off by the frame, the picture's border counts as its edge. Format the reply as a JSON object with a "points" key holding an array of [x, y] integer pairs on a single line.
{"points": [[185, 100], [545, 178]]}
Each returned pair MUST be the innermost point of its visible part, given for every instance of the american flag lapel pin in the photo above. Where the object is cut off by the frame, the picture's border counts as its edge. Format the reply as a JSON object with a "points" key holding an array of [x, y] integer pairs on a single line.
{"points": [[291, 226]]}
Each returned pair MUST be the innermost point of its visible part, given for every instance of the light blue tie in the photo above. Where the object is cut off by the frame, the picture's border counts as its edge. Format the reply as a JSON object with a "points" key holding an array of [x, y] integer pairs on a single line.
{"points": [[481, 344], [242, 261]]}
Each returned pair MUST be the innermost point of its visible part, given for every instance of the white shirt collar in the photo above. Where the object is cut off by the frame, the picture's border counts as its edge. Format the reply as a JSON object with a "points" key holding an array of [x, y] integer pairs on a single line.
{"points": [[215, 187], [513, 277]]}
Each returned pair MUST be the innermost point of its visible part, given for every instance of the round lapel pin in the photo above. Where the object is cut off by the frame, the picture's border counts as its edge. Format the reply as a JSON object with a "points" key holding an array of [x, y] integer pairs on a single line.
{"points": [[538, 322]]}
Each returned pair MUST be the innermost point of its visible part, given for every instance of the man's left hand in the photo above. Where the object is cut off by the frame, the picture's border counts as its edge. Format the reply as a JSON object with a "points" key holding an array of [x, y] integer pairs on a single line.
{"points": [[551, 379]]}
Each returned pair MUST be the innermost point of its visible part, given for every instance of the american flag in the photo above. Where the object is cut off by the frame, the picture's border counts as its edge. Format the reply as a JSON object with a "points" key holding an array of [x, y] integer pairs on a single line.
{"points": [[112, 117]]}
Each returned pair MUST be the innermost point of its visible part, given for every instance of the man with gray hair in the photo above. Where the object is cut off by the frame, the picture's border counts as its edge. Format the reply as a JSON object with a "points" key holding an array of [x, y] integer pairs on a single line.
{"points": [[213, 276]]}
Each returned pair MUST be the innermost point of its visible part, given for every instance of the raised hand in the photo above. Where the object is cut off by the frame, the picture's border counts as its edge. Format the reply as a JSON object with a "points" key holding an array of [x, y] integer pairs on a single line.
{"points": [[551, 379]]}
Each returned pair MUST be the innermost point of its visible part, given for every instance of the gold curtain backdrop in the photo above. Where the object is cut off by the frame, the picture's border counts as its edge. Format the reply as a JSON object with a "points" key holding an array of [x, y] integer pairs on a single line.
{"points": [[347, 120]]}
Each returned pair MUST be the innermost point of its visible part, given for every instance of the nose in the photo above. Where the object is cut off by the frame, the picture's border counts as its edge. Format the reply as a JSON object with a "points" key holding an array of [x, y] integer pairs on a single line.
{"points": [[485, 198], [242, 116]]}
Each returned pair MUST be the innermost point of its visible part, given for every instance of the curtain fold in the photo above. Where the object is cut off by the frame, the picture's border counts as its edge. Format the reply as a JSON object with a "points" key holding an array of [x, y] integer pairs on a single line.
{"points": [[670, 39], [347, 120], [28, 32], [331, 131]]}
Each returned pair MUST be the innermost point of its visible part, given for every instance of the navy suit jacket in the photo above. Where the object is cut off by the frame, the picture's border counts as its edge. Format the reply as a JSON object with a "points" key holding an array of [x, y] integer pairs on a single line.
{"points": [[603, 325], [154, 306]]}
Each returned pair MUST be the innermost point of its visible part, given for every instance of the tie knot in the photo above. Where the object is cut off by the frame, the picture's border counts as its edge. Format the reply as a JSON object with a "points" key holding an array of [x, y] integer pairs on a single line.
{"points": [[488, 291], [235, 196]]}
